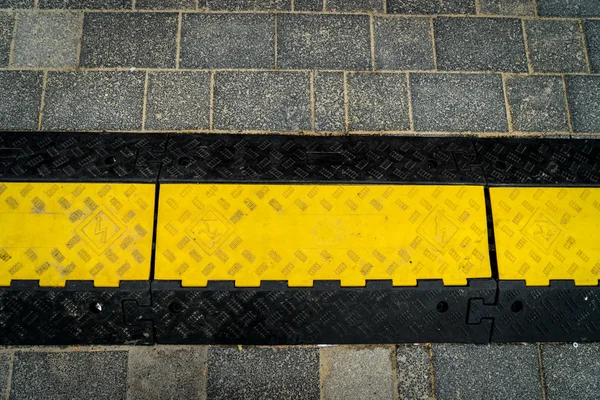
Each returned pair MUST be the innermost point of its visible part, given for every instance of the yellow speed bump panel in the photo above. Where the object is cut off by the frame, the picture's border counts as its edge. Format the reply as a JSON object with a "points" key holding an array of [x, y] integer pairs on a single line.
{"points": [[303, 233], [547, 234], [54, 232]]}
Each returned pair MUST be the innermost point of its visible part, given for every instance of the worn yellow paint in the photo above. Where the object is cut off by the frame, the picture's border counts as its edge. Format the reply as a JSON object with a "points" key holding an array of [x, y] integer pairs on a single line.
{"points": [[54, 232], [545, 234], [302, 233]]}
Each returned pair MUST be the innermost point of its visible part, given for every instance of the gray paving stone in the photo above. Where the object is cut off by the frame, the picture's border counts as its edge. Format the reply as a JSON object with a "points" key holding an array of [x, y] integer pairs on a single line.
{"points": [[537, 103], [308, 5], [583, 93], [47, 39], [458, 102], [355, 373], [95, 100], [257, 5], [87, 4], [7, 21], [570, 8], [178, 101], [571, 372], [167, 4], [16, 3], [466, 371], [20, 99], [403, 43], [166, 372], [484, 44], [263, 373], [555, 46], [69, 375], [262, 101], [377, 102], [228, 41], [330, 115], [129, 40], [5, 361], [355, 5], [431, 6], [324, 41], [592, 37], [507, 7], [413, 366]]}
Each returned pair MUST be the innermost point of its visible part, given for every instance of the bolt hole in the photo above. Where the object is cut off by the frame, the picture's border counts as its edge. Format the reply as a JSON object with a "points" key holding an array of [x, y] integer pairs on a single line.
{"points": [[96, 307], [175, 308], [184, 161], [110, 160], [517, 306], [432, 164], [442, 307], [501, 165]]}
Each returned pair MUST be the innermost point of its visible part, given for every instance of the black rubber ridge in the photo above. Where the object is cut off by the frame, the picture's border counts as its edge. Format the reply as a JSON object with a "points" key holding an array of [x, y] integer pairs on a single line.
{"points": [[325, 313], [76, 314]]}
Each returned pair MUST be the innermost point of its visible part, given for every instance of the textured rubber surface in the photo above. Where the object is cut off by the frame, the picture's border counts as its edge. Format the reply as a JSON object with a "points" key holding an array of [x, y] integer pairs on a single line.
{"points": [[560, 312], [80, 157], [326, 313], [56, 232], [302, 233], [547, 234], [75, 314]]}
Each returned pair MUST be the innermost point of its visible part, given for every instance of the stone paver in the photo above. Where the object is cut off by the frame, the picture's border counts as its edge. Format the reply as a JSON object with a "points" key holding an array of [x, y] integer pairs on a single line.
{"points": [[228, 41], [571, 8], [7, 20], [129, 40], [555, 46], [256, 5], [329, 102], [20, 99], [16, 3], [324, 42], [583, 93], [355, 5], [260, 372], [377, 102], [537, 103], [458, 102], [355, 373], [47, 39], [262, 101], [5, 362], [403, 44], [87, 4], [308, 5], [95, 100], [413, 368], [178, 100], [167, 4], [62, 375], [166, 372], [571, 370], [480, 44], [431, 6], [487, 371], [592, 37], [507, 7]]}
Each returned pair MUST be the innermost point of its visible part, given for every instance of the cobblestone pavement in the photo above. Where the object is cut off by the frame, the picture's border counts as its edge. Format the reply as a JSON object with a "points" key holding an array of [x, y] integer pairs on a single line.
{"points": [[512, 371], [509, 67]]}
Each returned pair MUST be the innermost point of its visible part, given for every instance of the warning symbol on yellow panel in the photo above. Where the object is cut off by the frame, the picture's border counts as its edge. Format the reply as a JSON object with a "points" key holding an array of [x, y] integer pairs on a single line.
{"points": [[545, 234], [302, 233], [209, 230], [54, 232], [100, 230]]}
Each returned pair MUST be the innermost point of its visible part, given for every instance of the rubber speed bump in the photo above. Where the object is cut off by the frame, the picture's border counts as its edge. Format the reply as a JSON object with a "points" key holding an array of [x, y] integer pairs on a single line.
{"points": [[303, 233], [54, 232], [545, 234]]}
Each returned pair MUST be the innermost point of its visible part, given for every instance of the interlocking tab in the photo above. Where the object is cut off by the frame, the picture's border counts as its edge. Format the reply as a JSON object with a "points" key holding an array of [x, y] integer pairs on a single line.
{"points": [[545, 234], [54, 232], [302, 233]]}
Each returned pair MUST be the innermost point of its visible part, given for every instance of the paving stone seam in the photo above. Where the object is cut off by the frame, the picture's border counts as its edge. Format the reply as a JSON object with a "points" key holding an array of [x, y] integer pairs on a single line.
{"points": [[11, 362], [507, 105], [42, 100], [565, 94], [211, 107], [541, 371], [313, 123], [585, 46], [177, 41], [145, 100], [527, 51]]}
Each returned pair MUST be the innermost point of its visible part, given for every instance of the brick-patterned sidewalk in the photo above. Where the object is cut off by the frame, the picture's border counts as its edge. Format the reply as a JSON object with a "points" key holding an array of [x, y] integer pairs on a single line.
{"points": [[520, 371], [403, 66]]}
